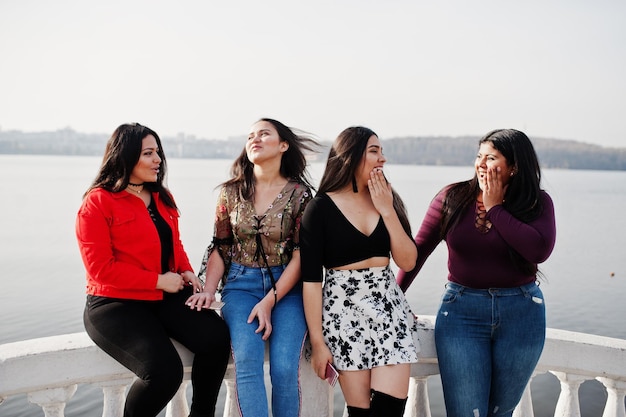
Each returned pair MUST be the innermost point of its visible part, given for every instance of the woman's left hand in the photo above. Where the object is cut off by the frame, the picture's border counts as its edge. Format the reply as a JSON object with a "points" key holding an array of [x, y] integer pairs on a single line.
{"points": [[192, 280], [263, 312], [380, 192]]}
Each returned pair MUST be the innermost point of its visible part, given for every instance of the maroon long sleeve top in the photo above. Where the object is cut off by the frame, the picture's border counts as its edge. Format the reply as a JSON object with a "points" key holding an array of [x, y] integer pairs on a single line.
{"points": [[482, 260]]}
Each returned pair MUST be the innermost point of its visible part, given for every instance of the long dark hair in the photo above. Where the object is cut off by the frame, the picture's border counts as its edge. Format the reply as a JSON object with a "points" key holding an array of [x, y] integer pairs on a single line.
{"points": [[121, 154], [345, 157], [293, 163], [522, 198]]}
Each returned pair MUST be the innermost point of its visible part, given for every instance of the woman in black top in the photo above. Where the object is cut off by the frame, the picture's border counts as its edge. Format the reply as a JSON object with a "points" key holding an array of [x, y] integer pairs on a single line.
{"points": [[359, 320]]}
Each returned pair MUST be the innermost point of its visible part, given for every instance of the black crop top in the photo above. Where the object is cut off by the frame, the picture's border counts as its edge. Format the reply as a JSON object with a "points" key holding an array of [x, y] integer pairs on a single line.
{"points": [[329, 240]]}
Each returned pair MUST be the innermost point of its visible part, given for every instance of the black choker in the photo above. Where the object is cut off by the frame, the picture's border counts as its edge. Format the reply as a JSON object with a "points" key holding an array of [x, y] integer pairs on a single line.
{"points": [[136, 185]]}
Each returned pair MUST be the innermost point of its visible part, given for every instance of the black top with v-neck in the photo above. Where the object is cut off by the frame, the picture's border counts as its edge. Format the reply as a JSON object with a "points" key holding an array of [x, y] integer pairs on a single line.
{"points": [[165, 236], [329, 240]]}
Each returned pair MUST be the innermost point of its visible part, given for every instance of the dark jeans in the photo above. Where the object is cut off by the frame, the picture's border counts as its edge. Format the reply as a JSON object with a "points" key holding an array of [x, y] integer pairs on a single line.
{"points": [[137, 334]]}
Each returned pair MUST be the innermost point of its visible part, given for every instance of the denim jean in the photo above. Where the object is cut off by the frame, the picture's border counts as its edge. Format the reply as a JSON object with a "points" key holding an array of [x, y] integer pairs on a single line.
{"points": [[244, 288], [488, 344]]}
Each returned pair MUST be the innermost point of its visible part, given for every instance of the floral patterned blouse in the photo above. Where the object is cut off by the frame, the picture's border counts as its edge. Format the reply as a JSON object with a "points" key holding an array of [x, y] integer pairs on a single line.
{"points": [[237, 226]]}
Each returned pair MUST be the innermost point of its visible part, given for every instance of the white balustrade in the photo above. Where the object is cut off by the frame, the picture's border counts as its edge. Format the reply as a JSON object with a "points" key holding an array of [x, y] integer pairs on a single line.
{"points": [[48, 370], [616, 391], [525, 406], [113, 392], [568, 404], [52, 400]]}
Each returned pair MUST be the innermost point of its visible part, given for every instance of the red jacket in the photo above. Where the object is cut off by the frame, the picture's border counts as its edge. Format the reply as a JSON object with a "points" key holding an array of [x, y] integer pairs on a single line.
{"points": [[120, 245]]}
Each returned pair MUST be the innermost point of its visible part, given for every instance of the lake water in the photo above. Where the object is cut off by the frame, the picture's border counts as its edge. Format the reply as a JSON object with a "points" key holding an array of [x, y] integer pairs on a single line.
{"points": [[43, 278]]}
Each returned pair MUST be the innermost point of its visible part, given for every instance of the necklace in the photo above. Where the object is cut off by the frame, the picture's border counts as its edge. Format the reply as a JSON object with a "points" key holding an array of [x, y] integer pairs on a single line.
{"points": [[130, 184]]}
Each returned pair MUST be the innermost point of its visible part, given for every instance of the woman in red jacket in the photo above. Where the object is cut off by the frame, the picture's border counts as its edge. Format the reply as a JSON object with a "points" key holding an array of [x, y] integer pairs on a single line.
{"points": [[139, 278]]}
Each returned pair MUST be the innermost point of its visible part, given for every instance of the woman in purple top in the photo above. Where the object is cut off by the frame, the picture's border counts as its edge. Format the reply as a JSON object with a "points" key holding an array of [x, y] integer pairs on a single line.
{"points": [[498, 226]]}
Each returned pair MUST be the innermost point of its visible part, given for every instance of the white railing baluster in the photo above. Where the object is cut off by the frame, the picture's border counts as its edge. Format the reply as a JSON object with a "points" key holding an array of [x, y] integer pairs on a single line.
{"points": [[113, 396], [178, 406], [230, 403], [568, 404], [53, 400], [616, 391], [317, 394], [525, 406], [417, 404]]}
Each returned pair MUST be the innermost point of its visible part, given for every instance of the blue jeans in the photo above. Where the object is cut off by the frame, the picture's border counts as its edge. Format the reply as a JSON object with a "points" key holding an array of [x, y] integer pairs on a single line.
{"points": [[244, 288], [488, 344]]}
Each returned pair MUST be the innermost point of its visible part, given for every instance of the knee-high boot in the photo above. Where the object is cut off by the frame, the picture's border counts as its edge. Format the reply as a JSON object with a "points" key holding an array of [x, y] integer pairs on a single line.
{"points": [[358, 412], [384, 405]]}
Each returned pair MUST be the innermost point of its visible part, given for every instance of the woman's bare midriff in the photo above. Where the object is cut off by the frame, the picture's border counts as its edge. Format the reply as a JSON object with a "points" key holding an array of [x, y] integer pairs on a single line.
{"points": [[377, 261]]}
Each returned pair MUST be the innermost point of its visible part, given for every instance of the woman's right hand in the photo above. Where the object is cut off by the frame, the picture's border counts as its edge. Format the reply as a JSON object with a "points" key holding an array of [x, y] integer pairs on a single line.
{"points": [[262, 311], [380, 192], [170, 282], [201, 300], [320, 356]]}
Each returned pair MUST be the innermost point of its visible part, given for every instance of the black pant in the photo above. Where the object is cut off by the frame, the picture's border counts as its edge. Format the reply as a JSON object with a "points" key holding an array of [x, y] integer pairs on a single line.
{"points": [[137, 334]]}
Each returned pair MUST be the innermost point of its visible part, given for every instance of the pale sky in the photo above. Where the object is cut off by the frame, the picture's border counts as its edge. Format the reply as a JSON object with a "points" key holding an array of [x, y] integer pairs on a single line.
{"points": [[553, 69]]}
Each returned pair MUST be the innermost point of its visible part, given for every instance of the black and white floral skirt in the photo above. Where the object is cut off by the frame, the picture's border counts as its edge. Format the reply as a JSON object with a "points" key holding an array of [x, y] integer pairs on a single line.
{"points": [[367, 321]]}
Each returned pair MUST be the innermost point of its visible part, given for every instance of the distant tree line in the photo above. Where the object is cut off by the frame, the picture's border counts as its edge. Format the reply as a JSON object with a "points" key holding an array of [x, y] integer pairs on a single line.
{"points": [[414, 150], [552, 153]]}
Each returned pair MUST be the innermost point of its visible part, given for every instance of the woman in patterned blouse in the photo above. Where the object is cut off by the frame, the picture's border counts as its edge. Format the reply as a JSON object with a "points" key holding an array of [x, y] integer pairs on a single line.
{"points": [[257, 258]]}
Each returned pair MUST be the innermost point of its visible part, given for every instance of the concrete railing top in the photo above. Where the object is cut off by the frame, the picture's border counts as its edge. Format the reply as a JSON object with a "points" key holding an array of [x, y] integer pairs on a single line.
{"points": [[584, 354], [73, 359]]}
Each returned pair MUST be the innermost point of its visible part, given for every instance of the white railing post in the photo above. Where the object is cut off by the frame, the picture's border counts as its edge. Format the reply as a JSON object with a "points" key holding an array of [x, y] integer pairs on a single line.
{"points": [[178, 406], [317, 394], [417, 404], [616, 391], [568, 404], [525, 406], [53, 400], [231, 408], [114, 396]]}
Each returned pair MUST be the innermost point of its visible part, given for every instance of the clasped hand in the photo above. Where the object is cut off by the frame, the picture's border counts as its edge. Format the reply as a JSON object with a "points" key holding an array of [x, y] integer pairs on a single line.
{"points": [[173, 282]]}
